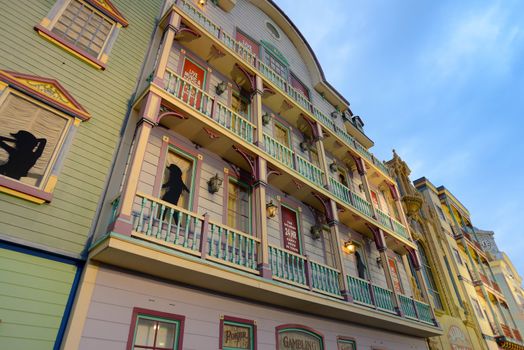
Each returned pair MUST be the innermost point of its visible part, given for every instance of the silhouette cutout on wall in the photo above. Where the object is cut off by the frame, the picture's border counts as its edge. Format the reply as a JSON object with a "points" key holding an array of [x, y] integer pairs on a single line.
{"points": [[23, 155], [361, 267], [174, 186]]}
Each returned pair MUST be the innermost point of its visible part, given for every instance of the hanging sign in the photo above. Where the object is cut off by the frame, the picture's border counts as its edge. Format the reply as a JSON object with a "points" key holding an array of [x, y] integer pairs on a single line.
{"points": [[395, 275], [290, 228], [195, 75]]}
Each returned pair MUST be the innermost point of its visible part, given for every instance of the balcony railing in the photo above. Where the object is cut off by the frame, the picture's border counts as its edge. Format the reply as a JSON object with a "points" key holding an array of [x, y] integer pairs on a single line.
{"points": [[384, 219], [407, 305], [310, 171], [194, 97], [343, 193], [246, 55], [165, 224]]}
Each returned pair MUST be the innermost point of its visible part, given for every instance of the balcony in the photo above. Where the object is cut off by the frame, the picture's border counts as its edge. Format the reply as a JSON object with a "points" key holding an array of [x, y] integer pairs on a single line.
{"points": [[189, 100], [174, 243], [235, 53]]}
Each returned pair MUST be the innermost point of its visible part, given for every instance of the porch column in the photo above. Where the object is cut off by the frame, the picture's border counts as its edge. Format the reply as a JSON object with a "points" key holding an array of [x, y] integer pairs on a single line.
{"points": [[148, 112], [380, 243], [318, 136], [396, 198], [170, 26], [259, 191], [338, 252], [256, 101]]}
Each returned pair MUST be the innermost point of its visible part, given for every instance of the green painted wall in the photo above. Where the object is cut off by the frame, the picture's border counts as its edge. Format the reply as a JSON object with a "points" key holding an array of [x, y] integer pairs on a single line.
{"points": [[33, 295], [65, 222]]}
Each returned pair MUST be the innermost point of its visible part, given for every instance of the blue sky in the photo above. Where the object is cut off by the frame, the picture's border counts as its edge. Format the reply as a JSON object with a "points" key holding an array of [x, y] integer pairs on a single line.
{"points": [[442, 82]]}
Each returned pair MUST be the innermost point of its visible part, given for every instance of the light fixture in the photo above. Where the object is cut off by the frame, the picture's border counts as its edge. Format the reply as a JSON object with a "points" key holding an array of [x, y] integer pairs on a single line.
{"points": [[316, 231], [379, 261], [350, 247], [333, 166], [271, 209], [202, 2], [214, 183], [220, 88], [266, 118]]}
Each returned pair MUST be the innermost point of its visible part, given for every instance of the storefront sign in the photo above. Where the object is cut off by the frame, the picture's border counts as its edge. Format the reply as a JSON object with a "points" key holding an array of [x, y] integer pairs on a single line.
{"points": [[250, 44], [195, 75], [299, 340], [236, 337], [290, 228]]}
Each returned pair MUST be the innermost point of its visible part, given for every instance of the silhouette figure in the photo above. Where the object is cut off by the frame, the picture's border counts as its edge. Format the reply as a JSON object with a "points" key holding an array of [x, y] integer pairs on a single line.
{"points": [[175, 186], [361, 267], [23, 156]]}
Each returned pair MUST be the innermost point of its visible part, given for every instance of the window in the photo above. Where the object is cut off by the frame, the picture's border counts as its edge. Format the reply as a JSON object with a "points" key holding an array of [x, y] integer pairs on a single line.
{"points": [[37, 120], [299, 86], [344, 343], [237, 334], [178, 177], [239, 206], [395, 275], [428, 276], [457, 256], [275, 64], [360, 263], [273, 30], [155, 330], [282, 134], [478, 309], [87, 28]]}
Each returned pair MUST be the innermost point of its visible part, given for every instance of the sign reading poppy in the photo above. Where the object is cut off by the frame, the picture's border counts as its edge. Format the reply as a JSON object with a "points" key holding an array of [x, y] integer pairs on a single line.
{"points": [[290, 229], [195, 76]]}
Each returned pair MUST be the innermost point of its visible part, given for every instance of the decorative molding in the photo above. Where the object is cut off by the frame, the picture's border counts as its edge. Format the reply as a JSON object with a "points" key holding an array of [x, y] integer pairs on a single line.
{"points": [[108, 9]]}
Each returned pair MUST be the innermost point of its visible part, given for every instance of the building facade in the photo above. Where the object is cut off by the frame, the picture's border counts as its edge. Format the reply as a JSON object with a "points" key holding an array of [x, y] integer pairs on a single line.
{"points": [[67, 71], [244, 210], [480, 296]]}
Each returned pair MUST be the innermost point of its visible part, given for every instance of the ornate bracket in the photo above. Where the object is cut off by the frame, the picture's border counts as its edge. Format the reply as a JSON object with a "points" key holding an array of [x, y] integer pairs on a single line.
{"points": [[215, 53], [273, 172], [250, 77], [317, 132], [413, 256], [169, 113], [327, 207], [212, 135], [250, 161], [359, 163], [378, 235], [393, 191], [179, 33], [268, 90]]}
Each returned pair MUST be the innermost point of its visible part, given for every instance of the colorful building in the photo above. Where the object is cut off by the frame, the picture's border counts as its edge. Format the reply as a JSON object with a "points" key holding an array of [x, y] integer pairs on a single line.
{"points": [[67, 71], [481, 296], [244, 209]]}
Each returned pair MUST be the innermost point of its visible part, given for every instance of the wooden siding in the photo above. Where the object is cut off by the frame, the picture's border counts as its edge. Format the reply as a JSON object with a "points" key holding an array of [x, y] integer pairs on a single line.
{"points": [[64, 224], [33, 295], [117, 292]]}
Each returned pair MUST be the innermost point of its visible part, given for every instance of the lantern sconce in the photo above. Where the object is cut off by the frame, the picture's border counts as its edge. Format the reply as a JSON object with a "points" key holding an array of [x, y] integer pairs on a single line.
{"points": [[220, 88], [335, 114], [271, 209], [333, 166], [214, 183], [350, 247], [316, 231], [266, 118], [379, 261], [202, 2]]}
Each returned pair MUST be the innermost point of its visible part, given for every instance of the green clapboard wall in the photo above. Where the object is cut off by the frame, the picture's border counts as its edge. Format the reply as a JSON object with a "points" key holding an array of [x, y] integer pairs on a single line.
{"points": [[33, 296]]}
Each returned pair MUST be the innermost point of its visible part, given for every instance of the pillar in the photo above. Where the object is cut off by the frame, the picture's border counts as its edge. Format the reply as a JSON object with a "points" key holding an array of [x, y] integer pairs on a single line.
{"points": [[171, 26], [256, 108], [259, 193]]}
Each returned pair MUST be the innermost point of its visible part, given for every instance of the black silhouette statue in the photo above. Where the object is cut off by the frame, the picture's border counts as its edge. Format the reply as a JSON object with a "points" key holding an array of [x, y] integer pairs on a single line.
{"points": [[174, 186], [361, 267], [23, 155]]}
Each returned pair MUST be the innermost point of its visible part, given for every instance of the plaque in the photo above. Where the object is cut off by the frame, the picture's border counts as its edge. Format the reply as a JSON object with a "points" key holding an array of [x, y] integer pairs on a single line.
{"points": [[236, 336], [290, 228], [298, 339]]}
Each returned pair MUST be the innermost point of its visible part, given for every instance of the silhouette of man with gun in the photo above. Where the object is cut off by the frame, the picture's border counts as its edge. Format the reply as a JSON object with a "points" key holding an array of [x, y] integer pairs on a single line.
{"points": [[23, 155]]}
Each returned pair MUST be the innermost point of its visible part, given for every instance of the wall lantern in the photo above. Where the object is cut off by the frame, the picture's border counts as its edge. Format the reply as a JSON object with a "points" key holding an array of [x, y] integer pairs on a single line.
{"points": [[379, 261], [220, 88], [316, 231], [335, 114], [202, 2], [266, 118], [271, 209], [350, 247], [214, 183], [333, 166]]}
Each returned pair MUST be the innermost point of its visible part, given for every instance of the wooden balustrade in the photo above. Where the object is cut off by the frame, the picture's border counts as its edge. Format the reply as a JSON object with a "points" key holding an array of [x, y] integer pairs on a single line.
{"points": [[360, 290], [407, 305], [384, 219], [383, 299], [278, 151], [424, 312], [325, 278], [288, 266], [309, 171], [362, 205]]}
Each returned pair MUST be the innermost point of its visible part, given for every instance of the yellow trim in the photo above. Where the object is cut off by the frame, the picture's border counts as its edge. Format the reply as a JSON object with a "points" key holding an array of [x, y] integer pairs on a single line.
{"points": [[81, 306], [71, 51], [21, 195], [77, 122], [3, 85], [51, 183]]}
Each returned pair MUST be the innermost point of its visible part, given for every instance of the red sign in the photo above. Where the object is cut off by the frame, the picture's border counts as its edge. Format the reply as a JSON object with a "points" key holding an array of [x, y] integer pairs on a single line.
{"points": [[299, 86], [290, 228], [248, 43], [395, 275], [195, 75]]}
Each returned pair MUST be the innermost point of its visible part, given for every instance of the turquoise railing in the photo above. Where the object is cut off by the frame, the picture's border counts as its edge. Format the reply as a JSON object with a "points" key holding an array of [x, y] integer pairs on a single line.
{"points": [[407, 306], [424, 312], [380, 165], [361, 204], [325, 278], [383, 218], [340, 191], [278, 151], [360, 290], [287, 265], [188, 93], [114, 209], [399, 228], [232, 246], [167, 222], [234, 122], [196, 98], [310, 171], [246, 55], [383, 298]]}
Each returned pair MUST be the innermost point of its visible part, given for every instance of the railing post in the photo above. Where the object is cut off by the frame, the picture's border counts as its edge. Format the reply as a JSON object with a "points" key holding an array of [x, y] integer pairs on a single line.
{"points": [[309, 273], [372, 294], [261, 218], [203, 236], [415, 308]]}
